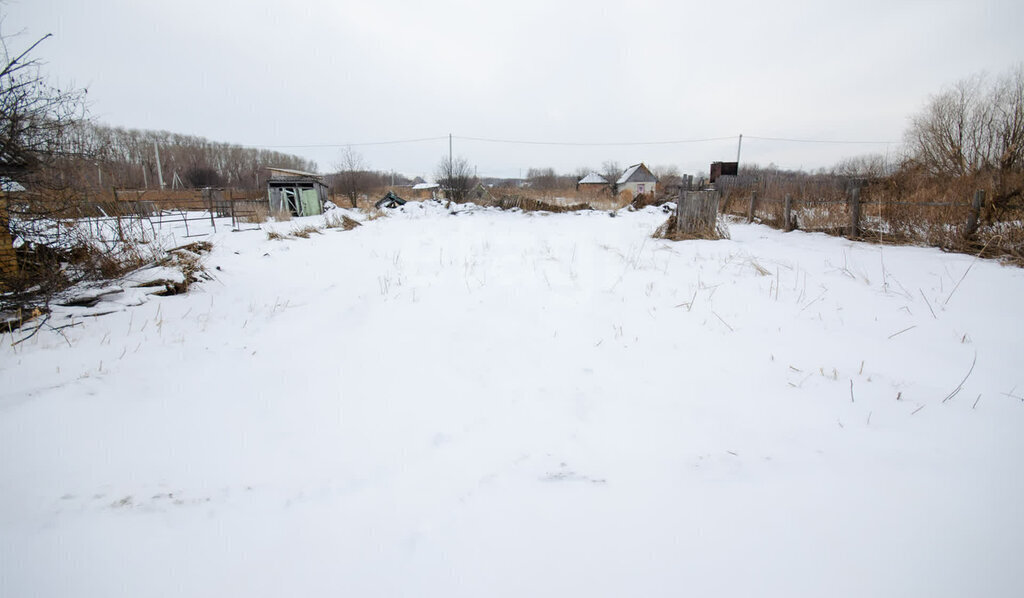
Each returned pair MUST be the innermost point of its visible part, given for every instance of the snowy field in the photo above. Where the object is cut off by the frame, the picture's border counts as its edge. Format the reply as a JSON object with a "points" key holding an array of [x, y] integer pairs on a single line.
{"points": [[507, 404]]}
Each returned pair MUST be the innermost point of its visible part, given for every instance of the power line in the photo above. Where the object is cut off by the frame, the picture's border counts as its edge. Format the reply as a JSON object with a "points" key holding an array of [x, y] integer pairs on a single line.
{"points": [[365, 143], [575, 143], [836, 141], [588, 143]]}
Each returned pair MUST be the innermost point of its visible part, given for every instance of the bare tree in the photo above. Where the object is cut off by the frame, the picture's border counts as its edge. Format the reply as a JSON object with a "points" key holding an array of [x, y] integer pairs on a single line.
{"points": [[952, 136], [668, 175], [35, 117], [543, 179], [455, 177], [611, 171], [351, 177], [975, 128], [867, 166]]}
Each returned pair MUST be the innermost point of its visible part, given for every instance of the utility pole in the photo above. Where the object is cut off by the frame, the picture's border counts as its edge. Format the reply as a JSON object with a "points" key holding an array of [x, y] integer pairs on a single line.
{"points": [[450, 152], [159, 169], [738, 147]]}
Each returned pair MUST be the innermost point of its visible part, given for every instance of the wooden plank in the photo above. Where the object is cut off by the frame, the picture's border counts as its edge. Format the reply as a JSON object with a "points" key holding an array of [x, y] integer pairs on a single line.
{"points": [[697, 213], [854, 231], [8, 258]]}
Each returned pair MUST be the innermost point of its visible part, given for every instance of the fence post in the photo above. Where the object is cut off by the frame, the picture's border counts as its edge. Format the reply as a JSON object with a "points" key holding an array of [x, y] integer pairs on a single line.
{"points": [[787, 222], [975, 214], [209, 196], [117, 210], [854, 212], [679, 208], [753, 204]]}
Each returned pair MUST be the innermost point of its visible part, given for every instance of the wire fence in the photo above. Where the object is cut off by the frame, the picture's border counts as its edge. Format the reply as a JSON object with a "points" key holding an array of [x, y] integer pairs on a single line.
{"points": [[126, 217], [956, 225]]}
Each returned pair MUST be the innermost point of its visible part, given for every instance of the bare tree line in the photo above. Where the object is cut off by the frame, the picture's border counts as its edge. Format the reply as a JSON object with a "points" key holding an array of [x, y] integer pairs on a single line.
{"points": [[127, 158]]}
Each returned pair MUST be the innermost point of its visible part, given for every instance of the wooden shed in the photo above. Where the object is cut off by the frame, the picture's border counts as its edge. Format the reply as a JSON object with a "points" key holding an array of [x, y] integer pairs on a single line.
{"points": [[301, 193]]}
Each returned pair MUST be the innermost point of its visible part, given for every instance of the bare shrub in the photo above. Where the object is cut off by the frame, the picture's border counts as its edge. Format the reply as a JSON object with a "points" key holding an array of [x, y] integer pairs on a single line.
{"points": [[260, 213], [352, 178], [456, 178], [282, 215]]}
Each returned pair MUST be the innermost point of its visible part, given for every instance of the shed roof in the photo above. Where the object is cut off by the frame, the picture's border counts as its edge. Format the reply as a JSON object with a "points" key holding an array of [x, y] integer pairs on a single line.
{"points": [[593, 179], [288, 172]]}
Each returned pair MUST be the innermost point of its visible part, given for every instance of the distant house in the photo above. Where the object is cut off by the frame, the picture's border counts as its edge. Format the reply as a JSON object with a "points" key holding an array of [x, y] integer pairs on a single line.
{"points": [[424, 190], [637, 179], [301, 193], [592, 181], [720, 169]]}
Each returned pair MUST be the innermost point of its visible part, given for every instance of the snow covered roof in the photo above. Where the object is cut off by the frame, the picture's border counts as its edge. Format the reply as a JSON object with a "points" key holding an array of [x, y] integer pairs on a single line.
{"points": [[632, 170], [419, 186], [593, 179]]}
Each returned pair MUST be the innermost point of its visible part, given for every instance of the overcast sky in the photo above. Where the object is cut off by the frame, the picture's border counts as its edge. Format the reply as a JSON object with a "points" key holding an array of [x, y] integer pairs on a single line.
{"points": [[275, 74]]}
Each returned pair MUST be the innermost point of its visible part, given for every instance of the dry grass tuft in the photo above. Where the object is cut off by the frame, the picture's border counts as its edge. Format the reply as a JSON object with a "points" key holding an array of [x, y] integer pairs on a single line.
{"points": [[303, 232], [258, 215], [373, 213], [273, 235], [341, 221], [670, 231], [282, 215]]}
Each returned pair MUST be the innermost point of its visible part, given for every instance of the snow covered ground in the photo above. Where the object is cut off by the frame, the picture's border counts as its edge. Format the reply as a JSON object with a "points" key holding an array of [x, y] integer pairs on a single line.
{"points": [[508, 404]]}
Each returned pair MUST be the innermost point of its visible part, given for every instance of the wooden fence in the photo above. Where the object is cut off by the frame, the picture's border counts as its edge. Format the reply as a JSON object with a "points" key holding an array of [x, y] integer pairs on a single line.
{"points": [[697, 213]]}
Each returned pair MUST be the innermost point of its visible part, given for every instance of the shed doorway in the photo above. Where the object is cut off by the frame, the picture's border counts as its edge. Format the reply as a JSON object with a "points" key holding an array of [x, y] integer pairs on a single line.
{"points": [[291, 201]]}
